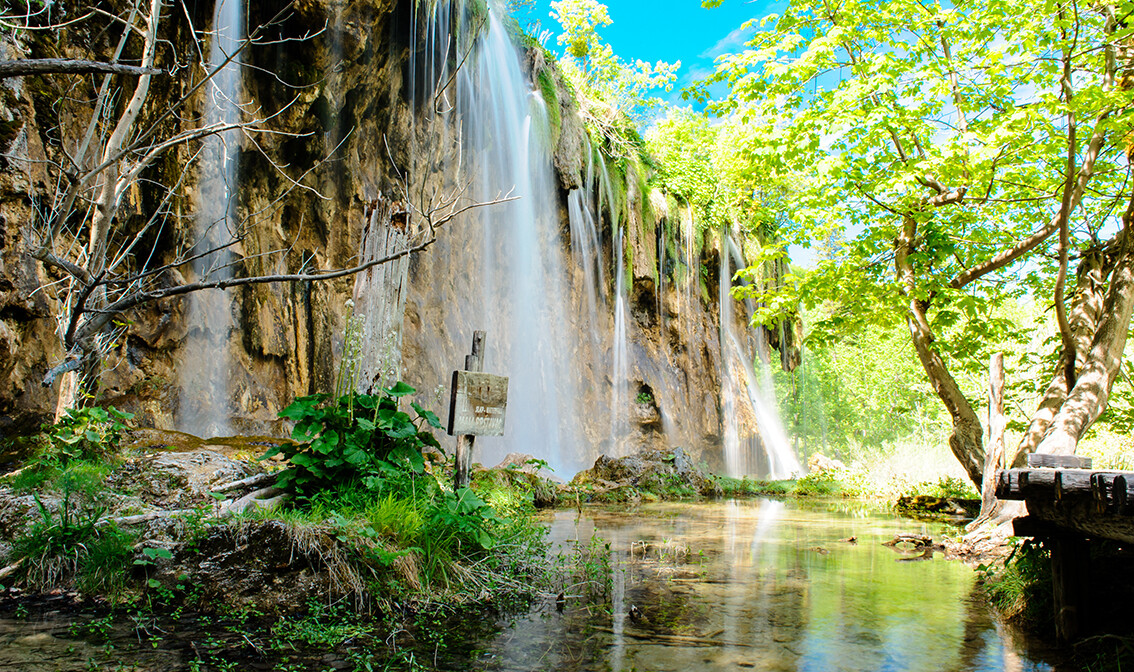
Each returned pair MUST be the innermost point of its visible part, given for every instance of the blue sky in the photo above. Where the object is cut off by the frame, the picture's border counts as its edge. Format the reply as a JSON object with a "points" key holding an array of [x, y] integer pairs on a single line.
{"points": [[668, 30]]}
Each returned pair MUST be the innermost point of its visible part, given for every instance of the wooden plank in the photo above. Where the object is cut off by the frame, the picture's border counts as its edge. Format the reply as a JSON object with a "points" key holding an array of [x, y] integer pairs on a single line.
{"points": [[1050, 461], [1072, 483], [1120, 495], [1037, 484], [1102, 484], [1077, 515], [1008, 484]]}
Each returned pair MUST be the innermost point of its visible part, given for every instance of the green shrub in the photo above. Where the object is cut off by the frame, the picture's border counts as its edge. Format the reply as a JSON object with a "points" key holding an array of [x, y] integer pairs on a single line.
{"points": [[819, 483], [946, 487], [357, 437], [90, 433], [71, 546], [1020, 588]]}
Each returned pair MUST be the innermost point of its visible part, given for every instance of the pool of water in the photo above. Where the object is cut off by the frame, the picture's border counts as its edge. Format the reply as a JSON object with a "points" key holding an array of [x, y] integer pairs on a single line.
{"points": [[760, 585], [734, 585]]}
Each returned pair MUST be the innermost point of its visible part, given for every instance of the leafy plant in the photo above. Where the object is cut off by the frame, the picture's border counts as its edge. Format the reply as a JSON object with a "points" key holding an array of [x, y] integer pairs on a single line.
{"points": [[466, 517], [356, 437], [819, 483], [72, 545], [86, 433]]}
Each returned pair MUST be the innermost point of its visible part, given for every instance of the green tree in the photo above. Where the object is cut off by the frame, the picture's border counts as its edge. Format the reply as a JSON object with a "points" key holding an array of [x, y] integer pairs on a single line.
{"points": [[608, 85], [966, 154]]}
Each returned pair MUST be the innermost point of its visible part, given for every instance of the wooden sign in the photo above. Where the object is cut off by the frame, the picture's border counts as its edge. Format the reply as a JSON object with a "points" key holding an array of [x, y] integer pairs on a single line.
{"points": [[477, 405]]}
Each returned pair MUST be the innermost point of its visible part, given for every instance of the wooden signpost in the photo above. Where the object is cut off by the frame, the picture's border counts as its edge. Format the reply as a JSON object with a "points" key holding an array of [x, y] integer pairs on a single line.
{"points": [[476, 408]]}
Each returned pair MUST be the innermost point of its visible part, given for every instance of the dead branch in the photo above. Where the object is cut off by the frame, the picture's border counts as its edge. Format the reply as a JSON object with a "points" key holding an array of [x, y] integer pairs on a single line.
{"points": [[69, 66], [250, 482]]}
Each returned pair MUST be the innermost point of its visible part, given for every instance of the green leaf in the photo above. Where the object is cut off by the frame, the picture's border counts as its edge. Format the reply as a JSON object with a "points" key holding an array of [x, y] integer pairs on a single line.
{"points": [[400, 389], [156, 553], [430, 416]]}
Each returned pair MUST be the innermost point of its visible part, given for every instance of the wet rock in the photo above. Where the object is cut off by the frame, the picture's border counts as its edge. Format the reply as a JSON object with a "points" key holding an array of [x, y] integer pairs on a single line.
{"points": [[179, 480], [666, 473], [518, 470]]}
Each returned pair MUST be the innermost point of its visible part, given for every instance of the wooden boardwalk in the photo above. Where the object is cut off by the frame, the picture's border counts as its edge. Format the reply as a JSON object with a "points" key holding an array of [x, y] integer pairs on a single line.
{"points": [[1068, 505]]}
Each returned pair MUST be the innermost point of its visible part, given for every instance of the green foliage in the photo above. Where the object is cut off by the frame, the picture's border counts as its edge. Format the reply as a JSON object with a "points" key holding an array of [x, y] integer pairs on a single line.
{"points": [[550, 94], [72, 545], [462, 518], [594, 68], [864, 389], [942, 127], [89, 433], [818, 484], [584, 571], [1020, 588], [946, 487], [745, 487], [323, 625], [356, 437]]}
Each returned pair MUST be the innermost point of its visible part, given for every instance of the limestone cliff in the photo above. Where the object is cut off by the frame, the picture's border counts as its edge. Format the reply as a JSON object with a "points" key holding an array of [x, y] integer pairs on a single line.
{"points": [[353, 128]]}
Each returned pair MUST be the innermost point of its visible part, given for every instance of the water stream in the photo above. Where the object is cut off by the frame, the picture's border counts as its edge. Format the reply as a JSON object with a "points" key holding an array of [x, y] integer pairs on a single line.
{"points": [[205, 369], [768, 452], [761, 585]]}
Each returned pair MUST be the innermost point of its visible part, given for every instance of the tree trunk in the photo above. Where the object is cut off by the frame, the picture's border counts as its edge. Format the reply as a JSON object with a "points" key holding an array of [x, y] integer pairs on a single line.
{"points": [[380, 297], [967, 439], [1086, 311], [1101, 363]]}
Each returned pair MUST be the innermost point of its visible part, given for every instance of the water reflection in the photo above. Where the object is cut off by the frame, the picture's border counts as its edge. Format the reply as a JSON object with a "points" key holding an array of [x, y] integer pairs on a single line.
{"points": [[760, 585]]}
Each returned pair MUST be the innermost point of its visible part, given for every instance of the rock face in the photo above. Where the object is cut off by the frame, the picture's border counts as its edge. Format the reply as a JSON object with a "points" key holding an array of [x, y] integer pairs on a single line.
{"points": [[353, 127]]}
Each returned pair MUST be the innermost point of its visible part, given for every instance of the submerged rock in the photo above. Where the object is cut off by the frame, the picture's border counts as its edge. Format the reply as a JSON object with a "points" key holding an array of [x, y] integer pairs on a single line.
{"points": [[665, 474]]}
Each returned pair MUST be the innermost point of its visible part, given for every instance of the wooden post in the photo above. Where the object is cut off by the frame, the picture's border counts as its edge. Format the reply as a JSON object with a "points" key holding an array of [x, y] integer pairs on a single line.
{"points": [[473, 362], [1070, 567], [994, 445]]}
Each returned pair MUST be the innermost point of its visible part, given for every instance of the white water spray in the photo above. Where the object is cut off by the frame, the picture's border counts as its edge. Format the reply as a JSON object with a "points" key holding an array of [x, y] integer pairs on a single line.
{"points": [[205, 370], [619, 370], [741, 388], [511, 284]]}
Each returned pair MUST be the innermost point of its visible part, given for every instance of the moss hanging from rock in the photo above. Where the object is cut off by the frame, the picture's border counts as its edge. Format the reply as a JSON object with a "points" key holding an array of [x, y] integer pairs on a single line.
{"points": [[550, 95]]}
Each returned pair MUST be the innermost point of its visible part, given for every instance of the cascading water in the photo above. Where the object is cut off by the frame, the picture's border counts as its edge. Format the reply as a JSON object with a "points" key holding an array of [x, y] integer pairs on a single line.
{"points": [[515, 291], [585, 251], [619, 368], [204, 375], [756, 394]]}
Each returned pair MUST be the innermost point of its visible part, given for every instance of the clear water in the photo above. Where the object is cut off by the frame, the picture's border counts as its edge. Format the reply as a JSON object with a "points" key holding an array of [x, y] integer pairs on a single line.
{"points": [[761, 585]]}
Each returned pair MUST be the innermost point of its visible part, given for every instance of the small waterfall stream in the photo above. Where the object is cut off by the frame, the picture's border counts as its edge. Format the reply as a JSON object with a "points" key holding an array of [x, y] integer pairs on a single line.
{"points": [[752, 393], [619, 365], [205, 370]]}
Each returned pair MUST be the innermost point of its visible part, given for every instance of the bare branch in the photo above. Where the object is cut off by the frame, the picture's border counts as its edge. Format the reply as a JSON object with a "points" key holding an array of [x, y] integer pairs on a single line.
{"points": [[69, 66]]}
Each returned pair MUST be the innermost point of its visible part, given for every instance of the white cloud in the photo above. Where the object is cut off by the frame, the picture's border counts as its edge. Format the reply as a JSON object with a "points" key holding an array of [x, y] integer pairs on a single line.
{"points": [[731, 42]]}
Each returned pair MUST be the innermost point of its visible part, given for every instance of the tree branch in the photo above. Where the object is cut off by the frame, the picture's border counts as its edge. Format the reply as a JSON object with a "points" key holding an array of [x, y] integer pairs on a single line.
{"points": [[1086, 171], [69, 66]]}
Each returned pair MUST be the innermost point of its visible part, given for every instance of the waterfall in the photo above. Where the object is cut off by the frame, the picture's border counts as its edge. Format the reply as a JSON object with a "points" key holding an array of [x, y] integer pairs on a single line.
{"points": [[619, 368], [756, 395], [585, 252], [500, 268], [205, 370]]}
